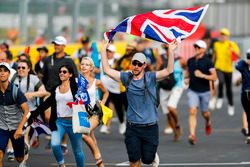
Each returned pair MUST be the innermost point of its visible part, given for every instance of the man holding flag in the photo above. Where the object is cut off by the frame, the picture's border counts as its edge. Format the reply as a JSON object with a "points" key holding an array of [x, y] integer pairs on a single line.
{"points": [[142, 133], [167, 26]]}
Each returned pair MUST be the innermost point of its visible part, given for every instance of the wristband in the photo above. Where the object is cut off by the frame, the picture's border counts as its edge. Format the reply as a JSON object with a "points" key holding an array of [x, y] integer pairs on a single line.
{"points": [[28, 115]]}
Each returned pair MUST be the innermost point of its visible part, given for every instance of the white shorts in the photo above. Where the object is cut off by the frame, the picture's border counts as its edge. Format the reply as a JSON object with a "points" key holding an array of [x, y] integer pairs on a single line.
{"points": [[169, 98]]}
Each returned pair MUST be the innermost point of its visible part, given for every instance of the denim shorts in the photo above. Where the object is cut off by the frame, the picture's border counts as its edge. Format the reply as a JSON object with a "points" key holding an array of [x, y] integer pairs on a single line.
{"points": [[142, 142], [198, 99], [18, 145]]}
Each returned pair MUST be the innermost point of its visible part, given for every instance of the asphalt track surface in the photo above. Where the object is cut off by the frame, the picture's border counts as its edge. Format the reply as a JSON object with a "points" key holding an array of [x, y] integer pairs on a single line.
{"points": [[225, 146]]}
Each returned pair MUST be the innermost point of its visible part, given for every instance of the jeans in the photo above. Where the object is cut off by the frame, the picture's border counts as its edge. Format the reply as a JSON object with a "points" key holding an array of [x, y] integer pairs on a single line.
{"points": [[75, 140]]}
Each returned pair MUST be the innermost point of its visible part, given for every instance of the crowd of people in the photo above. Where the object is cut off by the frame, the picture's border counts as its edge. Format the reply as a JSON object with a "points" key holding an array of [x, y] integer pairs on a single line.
{"points": [[135, 84]]}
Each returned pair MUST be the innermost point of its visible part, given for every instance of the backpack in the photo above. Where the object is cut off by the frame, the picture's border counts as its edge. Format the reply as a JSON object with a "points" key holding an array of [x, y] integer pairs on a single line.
{"points": [[170, 81], [155, 99], [15, 88], [14, 92]]}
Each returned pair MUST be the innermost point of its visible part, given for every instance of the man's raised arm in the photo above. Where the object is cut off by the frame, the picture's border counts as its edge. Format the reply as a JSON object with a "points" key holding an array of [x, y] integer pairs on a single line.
{"points": [[114, 74]]}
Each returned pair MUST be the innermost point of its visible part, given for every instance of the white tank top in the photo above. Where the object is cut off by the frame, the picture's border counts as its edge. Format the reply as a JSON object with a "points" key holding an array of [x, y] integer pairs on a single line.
{"points": [[62, 99], [92, 93]]}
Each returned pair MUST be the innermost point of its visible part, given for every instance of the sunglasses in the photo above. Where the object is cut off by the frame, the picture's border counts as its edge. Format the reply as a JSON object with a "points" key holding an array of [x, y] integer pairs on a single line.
{"points": [[139, 64], [196, 47], [4, 70], [21, 67], [248, 56], [85, 64], [63, 71]]}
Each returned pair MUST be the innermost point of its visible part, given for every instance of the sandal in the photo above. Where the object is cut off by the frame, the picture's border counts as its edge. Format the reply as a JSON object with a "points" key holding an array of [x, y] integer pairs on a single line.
{"points": [[98, 161]]}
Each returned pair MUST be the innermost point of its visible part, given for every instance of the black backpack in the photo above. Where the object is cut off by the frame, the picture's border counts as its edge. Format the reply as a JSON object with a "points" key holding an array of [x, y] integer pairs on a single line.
{"points": [[170, 81]]}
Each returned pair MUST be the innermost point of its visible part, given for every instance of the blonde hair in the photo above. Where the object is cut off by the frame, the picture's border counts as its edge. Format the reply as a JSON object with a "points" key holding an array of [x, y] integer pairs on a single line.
{"points": [[90, 61]]}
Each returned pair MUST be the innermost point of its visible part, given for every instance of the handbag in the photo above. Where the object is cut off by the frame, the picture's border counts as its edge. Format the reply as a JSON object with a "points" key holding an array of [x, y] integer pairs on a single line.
{"points": [[80, 121], [107, 114]]}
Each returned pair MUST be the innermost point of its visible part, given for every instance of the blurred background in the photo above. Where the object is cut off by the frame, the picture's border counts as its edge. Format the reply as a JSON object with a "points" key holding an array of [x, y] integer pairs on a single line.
{"points": [[37, 22]]}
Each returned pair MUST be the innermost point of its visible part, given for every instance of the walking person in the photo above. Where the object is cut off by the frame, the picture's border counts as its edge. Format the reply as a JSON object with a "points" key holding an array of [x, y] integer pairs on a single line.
{"points": [[87, 68], [225, 52], [51, 72], [43, 54], [170, 91], [14, 113], [142, 132], [115, 96], [32, 88], [60, 121], [244, 68], [200, 72]]}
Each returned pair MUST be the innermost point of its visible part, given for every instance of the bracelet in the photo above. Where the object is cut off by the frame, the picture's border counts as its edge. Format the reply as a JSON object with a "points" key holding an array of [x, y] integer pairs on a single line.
{"points": [[28, 115]]}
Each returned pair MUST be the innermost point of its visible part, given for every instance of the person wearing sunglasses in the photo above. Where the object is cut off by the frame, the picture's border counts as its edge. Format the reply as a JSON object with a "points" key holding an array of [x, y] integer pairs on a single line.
{"points": [[243, 66], [50, 73], [33, 90], [87, 69], [60, 121], [200, 71], [142, 132]]}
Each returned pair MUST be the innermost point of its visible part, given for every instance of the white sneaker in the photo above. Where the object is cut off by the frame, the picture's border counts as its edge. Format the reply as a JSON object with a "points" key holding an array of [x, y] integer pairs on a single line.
{"points": [[104, 129], [230, 110], [247, 141], [212, 103], [156, 161], [23, 164], [219, 103], [122, 128], [168, 130]]}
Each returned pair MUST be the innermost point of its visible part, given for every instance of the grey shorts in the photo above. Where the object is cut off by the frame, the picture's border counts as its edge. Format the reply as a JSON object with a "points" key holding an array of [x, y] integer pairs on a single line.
{"points": [[198, 99]]}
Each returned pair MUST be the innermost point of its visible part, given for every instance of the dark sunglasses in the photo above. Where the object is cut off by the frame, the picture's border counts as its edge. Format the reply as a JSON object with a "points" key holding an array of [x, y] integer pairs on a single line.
{"points": [[63, 71], [248, 56], [4, 70], [21, 67], [139, 64], [196, 47]]}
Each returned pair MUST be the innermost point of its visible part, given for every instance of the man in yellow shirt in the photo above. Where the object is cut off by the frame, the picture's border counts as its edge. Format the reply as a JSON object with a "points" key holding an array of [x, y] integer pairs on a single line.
{"points": [[225, 52]]}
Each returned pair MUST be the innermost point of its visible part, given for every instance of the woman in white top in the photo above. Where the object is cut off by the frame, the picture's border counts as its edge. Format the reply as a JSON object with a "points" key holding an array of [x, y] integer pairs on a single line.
{"points": [[87, 67], [61, 116]]}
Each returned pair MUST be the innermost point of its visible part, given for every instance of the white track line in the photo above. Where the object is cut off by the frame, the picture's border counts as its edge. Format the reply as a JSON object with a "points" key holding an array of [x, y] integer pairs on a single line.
{"points": [[126, 163]]}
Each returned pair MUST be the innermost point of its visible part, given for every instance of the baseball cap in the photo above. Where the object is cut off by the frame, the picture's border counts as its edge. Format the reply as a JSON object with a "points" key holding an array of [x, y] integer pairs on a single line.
{"points": [[6, 65], [111, 48], [201, 44], [60, 40], [140, 57], [225, 31], [43, 48], [85, 39], [248, 54]]}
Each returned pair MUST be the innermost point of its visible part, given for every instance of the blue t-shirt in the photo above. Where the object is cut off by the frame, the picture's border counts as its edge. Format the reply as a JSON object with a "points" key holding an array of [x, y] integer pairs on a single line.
{"points": [[178, 75], [141, 105], [7, 98], [203, 64], [244, 69]]}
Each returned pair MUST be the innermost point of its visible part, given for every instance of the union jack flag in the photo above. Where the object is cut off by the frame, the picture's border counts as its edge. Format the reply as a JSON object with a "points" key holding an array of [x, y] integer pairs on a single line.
{"points": [[161, 25]]}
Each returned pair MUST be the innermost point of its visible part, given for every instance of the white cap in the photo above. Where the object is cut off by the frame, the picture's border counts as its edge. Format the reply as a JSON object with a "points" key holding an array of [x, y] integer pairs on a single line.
{"points": [[140, 57], [201, 44], [248, 51], [60, 40], [5, 65], [111, 48]]}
